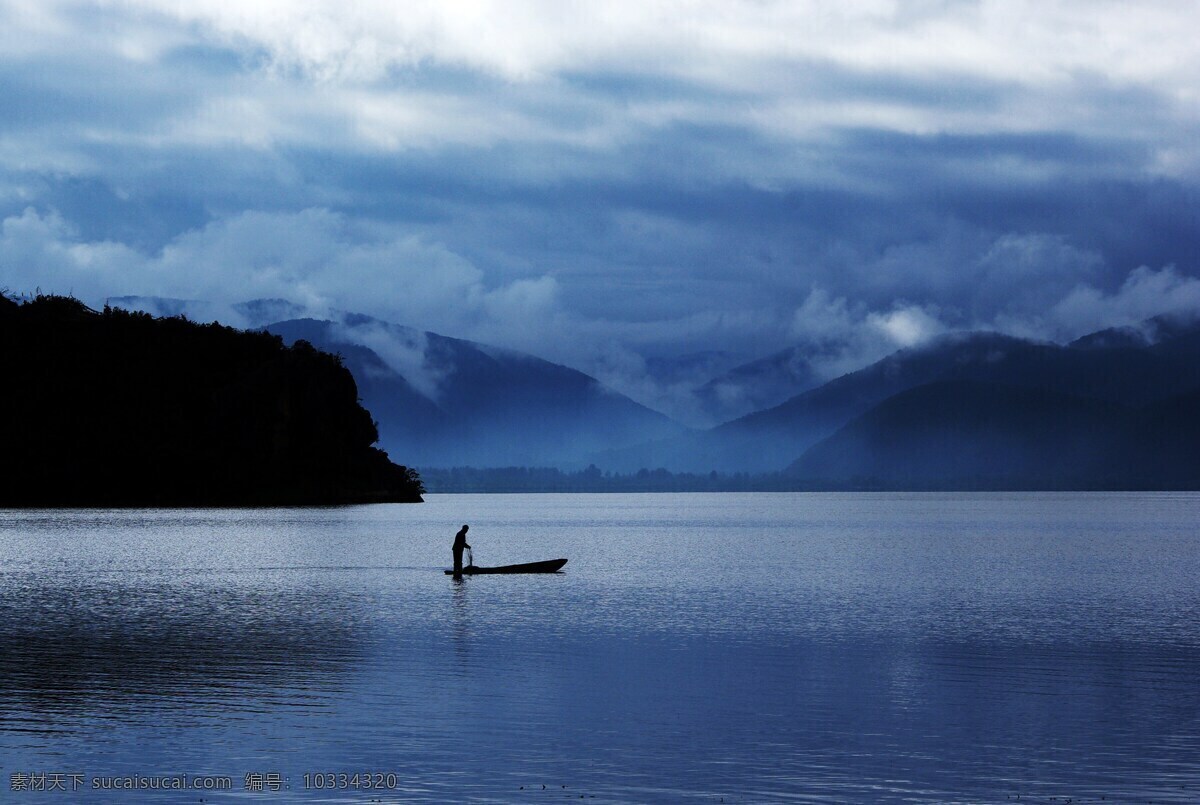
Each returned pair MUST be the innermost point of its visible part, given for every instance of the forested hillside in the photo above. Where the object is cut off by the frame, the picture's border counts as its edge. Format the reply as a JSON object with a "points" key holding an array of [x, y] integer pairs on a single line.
{"points": [[125, 409]]}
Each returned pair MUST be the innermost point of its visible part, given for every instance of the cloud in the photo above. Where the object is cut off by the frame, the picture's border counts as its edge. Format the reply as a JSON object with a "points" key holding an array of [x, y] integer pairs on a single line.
{"points": [[828, 324], [1020, 272], [404, 350], [905, 326], [43, 251], [315, 258], [838, 336], [822, 319], [536, 37], [374, 76], [671, 392], [1146, 293]]}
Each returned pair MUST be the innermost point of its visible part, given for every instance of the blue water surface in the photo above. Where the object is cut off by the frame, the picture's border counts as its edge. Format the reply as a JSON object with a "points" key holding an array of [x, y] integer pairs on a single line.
{"points": [[696, 648]]}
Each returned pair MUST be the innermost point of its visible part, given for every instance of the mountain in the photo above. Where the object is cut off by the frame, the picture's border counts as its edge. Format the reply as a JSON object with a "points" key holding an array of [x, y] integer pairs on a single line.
{"points": [[970, 434], [689, 367], [760, 384], [1169, 443], [1149, 333], [1109, 369], [443, 401], [965, 434], [117, 408]]}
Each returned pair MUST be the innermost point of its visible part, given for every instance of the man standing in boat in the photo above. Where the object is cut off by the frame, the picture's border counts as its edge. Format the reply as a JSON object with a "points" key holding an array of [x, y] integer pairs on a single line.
{"points": [[460, 542]]}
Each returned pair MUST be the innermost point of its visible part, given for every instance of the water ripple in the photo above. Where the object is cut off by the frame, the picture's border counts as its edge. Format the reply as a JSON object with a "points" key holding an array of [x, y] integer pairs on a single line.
{"points": [[707, 648]]}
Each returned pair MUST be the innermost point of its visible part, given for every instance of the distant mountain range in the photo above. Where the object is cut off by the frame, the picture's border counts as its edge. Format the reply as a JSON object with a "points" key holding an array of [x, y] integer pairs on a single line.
{"points": [[1129, 367], [974, 409], [758, 384], [444, 401], [966, 434]]}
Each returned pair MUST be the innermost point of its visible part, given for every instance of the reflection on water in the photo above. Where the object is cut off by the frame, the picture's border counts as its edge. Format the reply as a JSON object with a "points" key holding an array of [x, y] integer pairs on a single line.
{"points": [[821, 648], [109, 646]]}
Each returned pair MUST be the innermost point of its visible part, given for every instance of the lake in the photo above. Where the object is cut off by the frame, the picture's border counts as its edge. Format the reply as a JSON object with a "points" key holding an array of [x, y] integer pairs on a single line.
{"points": [[696, 648]]}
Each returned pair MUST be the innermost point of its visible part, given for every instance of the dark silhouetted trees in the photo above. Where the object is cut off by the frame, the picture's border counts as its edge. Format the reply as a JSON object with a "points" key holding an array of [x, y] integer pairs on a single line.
{"points": [[120, 408]]}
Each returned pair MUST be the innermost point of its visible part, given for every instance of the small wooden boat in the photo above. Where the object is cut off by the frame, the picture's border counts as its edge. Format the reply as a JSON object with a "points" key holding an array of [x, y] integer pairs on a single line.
{"points": [[548, 566]]}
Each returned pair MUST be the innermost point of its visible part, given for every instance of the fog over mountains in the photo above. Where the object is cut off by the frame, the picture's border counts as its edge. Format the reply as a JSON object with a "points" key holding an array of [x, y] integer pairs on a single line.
{"points": [[973, 409], [1132, 367], [445, 402], [442, 401], [759, 384]]}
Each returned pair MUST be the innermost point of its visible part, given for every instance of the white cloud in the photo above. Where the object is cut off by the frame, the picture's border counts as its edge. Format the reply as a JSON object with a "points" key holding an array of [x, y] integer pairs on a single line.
{"points": [[520, 314], [840, 336], [1144, 294], [906, 326], [404, 350], [1046, 40], [1020, 274], [822, 318], [314, 258], [331, 71], [44, 251]]}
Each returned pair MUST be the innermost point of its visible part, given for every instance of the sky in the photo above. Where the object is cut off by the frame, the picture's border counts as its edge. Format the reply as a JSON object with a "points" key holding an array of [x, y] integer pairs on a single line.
{"points": [[603, 183]]}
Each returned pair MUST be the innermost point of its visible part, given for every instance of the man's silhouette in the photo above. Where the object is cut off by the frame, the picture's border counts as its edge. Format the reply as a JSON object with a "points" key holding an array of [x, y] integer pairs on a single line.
{"points": [[460, 542]]}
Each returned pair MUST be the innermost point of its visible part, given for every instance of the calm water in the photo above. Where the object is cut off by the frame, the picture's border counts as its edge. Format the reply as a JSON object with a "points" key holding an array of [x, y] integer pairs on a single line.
{"points": [[750, 648]]}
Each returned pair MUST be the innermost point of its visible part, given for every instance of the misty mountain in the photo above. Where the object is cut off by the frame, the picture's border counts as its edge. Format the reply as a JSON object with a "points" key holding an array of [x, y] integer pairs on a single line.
{"points": [[760, 384], [971, 434], [261, 312], [1113, 368], [1168, 331], [689, 368], [443, 401], [966, 434]]}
